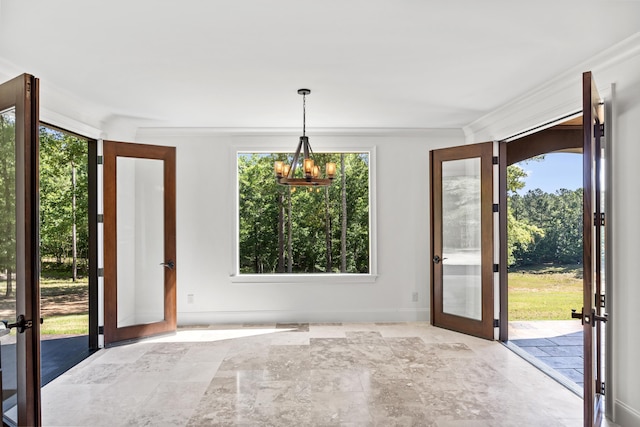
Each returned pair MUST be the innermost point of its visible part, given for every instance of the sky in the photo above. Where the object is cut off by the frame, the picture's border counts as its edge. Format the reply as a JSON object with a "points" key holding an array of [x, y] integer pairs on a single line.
{"points": [[557, 170]]}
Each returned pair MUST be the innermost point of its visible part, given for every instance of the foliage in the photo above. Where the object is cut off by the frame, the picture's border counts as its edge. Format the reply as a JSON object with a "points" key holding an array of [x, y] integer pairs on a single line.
{"points": [[461, 207], [521, 233], [60, 155], [7, 197], [270, 213], [559, 215]]}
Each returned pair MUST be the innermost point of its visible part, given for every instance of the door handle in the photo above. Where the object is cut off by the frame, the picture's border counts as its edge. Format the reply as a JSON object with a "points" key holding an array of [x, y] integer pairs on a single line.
{"points": [[437, 259], [169, 264], [586, 319], [21, 324], [604, 318]]}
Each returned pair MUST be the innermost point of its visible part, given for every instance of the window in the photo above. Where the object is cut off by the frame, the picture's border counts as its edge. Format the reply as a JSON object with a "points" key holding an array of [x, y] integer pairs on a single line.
{"points": [[304, 230]]}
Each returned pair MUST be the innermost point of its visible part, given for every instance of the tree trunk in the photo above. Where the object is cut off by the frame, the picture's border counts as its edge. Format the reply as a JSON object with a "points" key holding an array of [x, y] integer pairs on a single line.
{"points": [[343, 235], [290, 237], [327, 221], [280, 203], [9, 229], [74, 238], [9, 283]]}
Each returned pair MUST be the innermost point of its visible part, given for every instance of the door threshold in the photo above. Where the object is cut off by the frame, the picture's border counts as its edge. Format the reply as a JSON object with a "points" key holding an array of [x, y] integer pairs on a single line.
{"points": [[549, 371]]}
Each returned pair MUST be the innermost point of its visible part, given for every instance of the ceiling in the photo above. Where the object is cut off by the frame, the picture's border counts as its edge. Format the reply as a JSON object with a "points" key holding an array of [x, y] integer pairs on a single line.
{"points": [[239, 63]]}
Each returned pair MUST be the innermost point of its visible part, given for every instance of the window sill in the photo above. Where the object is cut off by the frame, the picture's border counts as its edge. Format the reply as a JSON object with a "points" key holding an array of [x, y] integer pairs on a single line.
{"points": [[303, 278]]}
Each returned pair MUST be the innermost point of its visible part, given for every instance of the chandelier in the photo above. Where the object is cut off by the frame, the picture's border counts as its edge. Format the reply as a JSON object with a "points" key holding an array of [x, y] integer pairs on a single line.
{"points": [[286, 174]]}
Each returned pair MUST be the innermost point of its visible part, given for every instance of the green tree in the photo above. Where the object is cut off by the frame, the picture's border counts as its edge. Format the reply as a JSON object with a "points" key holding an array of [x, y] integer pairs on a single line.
{"points": [[521, 232], [559, 214], [296, 228], [63, 197], [8, 201]]}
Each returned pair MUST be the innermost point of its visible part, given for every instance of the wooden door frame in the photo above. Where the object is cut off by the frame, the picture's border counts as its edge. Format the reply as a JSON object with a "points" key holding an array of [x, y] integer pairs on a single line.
{"points": [[92, 218], [483, 328], [593, 402], [589, 144], [112, 150], [22, 94], [557, 138]]}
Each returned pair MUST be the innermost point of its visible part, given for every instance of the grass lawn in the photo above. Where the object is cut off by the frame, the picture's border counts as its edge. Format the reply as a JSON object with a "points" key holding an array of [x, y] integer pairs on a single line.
{"points": [[70, 324], [63, 304], [544, 292]]}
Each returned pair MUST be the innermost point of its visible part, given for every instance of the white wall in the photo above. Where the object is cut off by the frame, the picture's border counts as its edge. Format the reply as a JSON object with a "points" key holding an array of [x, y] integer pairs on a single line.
{"points": [[625, 225], [205, 237], [617, 74]]}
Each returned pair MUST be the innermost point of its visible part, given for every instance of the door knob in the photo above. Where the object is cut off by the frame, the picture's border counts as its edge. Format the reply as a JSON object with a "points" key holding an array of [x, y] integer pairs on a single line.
{"points": [[169, 264], [437, 259]]}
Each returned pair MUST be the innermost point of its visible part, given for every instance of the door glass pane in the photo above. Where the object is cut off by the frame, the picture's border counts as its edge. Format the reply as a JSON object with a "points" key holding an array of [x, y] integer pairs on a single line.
{"points": [[461, 239], [8, 260], [140, 241]]}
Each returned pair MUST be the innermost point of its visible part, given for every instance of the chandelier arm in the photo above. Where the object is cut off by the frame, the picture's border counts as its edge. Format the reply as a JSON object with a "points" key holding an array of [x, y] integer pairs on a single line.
{"points": [[305, 141], [310, 153], [294, 163]]}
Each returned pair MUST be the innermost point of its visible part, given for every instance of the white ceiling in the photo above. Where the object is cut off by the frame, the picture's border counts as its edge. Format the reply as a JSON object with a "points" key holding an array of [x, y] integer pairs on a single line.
{"points": [[239, 63]]}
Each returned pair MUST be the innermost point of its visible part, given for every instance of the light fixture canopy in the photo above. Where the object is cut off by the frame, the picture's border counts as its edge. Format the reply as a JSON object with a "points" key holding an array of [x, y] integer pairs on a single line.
{"points": [[285, 173]]}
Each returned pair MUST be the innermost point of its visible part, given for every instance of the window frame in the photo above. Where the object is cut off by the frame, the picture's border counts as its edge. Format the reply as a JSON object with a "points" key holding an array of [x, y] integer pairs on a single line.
{"points": [[236, 277]]}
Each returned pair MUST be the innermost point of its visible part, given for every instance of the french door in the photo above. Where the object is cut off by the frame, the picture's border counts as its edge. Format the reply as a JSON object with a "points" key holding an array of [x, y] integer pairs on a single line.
{"points": [[19, 252], [139, 240], [593, 316], [462, 243]]}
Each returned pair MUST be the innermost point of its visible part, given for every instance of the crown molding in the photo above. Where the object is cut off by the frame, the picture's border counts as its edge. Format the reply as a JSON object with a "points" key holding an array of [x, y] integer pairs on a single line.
{"points": [[249, 132], [558, 98]]}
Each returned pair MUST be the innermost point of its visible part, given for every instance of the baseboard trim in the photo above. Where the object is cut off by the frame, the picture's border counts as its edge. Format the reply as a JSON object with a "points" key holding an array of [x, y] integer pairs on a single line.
{"points": [[625, 415], [286, 316]]}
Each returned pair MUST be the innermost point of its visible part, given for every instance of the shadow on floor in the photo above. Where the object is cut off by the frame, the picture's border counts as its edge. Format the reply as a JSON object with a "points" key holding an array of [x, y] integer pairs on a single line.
{"points": [[57, 355]]}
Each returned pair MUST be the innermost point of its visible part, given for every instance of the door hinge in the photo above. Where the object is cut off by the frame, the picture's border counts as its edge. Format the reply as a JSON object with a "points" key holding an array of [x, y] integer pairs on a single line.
{"points": [[495, 160], [100, 330], [99, 160], [600, 299], [496, 268], [598, 129], [496, 207], [602, 388], [101, 272], [100, 218], [496, 323], [598, 219]]}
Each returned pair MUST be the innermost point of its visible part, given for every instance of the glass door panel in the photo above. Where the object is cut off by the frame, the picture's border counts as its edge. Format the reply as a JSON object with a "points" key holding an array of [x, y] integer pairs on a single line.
{"points": [[8, 267], [594, 258], [140, 231], [461, 238], [140, 240], [19, 255]]}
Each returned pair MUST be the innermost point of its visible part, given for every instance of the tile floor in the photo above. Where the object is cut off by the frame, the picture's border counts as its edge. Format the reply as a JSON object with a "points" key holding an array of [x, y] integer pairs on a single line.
{"points": [[365, 374], [556, 343]]}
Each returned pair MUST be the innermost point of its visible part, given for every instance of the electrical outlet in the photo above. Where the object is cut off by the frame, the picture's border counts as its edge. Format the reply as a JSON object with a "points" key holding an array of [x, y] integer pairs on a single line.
{"points": [[189, 298], [414, 297]]}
